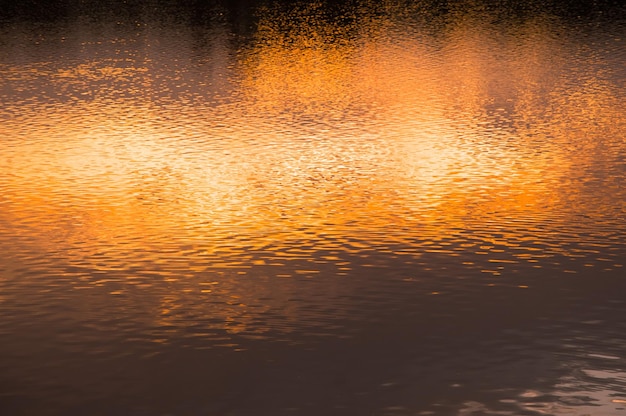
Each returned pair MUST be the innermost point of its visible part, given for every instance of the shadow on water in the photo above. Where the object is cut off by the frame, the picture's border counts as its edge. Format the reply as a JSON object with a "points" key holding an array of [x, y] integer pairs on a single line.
{"points": [[241, 12], [276, 208]]}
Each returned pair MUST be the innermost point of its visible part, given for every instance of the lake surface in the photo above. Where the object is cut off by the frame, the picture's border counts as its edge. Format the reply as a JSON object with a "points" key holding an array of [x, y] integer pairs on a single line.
{"points": [[281, 208]]}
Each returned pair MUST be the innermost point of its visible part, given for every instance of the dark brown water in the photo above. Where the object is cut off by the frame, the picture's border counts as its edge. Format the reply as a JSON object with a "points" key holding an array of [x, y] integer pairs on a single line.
{"points": [[299, 209]]}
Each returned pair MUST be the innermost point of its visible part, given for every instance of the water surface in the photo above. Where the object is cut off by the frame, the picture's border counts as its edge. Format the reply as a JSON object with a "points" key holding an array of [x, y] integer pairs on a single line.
{"points": [[290, 208]]}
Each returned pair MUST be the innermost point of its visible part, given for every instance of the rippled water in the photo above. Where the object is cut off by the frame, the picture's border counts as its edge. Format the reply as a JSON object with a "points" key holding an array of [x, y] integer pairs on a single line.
{"points": [[293, 208]]}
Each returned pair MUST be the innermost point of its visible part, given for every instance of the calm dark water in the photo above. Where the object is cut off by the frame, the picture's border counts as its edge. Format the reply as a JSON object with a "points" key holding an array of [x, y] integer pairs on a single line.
{"points": [[264, 208]]}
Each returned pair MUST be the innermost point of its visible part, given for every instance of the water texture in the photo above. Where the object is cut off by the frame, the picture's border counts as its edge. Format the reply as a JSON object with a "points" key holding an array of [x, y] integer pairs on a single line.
{"points": [[296, 208]]}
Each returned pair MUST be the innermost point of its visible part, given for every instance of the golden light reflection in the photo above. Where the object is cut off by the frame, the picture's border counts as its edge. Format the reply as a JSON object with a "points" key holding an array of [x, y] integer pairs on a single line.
{"points": [[305, 67], [337, 140], [413, 90]]}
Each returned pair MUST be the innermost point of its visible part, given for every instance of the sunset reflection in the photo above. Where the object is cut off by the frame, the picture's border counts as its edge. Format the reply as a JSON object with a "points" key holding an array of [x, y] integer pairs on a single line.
{"points": [[367, 135], [388, 208]]}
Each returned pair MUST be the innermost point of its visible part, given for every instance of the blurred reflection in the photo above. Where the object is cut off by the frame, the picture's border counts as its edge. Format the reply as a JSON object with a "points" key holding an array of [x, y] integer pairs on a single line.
{"points": [[365, 133], [210, 191]]}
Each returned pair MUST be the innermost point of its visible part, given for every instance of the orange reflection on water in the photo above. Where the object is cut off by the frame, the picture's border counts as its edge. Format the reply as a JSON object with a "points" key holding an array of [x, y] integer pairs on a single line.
{"points": [[307, 65], [430, 124], [334, 141]]}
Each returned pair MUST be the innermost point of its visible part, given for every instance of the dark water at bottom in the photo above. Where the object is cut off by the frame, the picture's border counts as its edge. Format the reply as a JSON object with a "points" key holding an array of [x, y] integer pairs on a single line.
{"points": [[293, 208], [385, 344]]}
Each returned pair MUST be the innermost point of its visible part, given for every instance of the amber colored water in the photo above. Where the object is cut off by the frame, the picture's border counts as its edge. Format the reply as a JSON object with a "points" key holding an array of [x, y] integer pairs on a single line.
{"points": [[297, 209]]}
